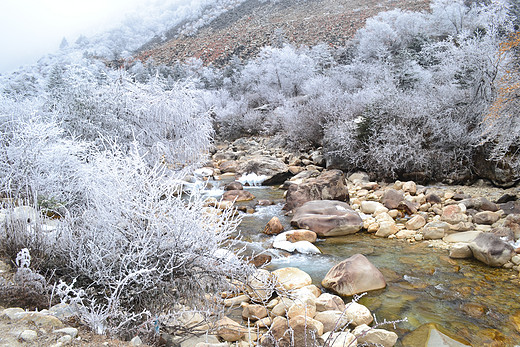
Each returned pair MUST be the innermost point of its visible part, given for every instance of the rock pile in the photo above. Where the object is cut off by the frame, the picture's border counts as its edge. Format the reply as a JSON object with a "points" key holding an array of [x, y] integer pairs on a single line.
{"points": [[288, 310]]}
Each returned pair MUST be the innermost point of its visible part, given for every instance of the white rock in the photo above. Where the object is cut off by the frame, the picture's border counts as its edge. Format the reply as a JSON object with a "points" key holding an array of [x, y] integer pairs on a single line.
{"points": [[73, 332], [299, 246], [136, 341], [28, 335], [341, 339], [371, 207], [65, 339]]}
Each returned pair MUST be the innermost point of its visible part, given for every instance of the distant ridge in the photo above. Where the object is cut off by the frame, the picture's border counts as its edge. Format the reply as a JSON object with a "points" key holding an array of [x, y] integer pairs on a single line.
{"points": [[253, 24]]}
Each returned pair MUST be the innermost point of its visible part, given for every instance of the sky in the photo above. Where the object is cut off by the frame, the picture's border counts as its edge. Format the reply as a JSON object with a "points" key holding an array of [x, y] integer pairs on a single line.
{"points": [[29, 29]]}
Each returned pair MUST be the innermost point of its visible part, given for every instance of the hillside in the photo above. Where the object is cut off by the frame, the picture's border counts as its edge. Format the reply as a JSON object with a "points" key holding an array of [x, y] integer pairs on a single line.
{"points": [[243, 30]]}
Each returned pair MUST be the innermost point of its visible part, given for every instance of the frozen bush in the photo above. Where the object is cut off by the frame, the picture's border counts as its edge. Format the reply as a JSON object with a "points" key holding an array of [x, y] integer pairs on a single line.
{"points": [[37, 161], [139, 249]]}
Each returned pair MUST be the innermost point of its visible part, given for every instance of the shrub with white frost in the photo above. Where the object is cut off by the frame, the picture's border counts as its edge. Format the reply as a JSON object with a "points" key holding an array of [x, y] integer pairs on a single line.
{"points": [[140, 248]]}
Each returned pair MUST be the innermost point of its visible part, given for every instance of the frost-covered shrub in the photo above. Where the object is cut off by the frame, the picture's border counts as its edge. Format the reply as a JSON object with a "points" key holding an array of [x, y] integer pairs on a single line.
{"points": [[37, 160], [141, 245]]}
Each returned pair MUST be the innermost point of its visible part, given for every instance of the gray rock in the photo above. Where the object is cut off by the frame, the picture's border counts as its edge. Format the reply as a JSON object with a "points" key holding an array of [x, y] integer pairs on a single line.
{"points": [[460, 251], [491, 250], [330, 185], [486, 217], [435, 230], [464, 236], [276, 171], [392, 198]]}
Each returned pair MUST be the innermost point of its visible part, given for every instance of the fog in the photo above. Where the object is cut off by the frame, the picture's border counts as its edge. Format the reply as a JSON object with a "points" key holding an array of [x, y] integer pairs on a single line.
{"points": [[32, 28]]}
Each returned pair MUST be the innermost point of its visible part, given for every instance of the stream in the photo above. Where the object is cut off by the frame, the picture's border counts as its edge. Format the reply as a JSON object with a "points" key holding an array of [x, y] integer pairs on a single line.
{"points": [[470, 300]]}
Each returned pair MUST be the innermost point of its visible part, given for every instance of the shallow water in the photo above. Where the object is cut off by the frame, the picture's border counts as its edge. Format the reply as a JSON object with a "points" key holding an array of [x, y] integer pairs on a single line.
{"points": [[471, 301]]}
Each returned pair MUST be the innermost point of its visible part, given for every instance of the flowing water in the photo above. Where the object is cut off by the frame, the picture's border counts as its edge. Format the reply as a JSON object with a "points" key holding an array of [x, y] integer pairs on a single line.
{"points": [[471, 301]]}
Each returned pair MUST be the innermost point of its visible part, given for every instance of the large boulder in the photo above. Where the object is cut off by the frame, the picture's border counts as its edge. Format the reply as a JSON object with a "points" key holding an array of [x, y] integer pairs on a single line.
{"points": [[330, 185], [354, 275], [289, 278], [491, 250], [327, 218], [276, 171]]}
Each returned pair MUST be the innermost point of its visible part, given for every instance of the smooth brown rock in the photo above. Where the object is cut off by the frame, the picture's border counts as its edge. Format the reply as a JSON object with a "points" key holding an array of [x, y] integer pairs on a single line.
{"points": [[460, 251], [228, 166], [301, 235], [273, 227], [415, 223], [354, 275], [234, 186], [358, 314], [254, 312], [306, 308], [329, 302], [280, 333], [435, 230], [327, 218], [237, 195], [392, 198], [410, 187], [229, 330], [260, 286], [486, 217]]}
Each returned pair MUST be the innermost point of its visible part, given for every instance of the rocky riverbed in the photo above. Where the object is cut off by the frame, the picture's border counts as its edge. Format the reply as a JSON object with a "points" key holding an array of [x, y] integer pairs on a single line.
{"points": [[447, 249], [442, 260]]}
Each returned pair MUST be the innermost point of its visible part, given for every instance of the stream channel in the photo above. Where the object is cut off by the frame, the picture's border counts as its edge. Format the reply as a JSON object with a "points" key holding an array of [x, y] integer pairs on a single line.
{"points": [[468, 299]]}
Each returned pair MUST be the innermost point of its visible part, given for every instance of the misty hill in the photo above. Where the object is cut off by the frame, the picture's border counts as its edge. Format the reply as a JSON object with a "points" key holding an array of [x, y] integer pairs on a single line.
{"points": [[242, 30]]}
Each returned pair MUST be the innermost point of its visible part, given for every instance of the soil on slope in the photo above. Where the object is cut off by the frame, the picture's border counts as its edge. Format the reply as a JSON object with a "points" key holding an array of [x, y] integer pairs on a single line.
{"points": [[253, 24]]}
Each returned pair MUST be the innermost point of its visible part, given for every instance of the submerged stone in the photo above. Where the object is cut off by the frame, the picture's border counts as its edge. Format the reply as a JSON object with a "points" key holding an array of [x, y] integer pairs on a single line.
{"points": [[433, 335]]}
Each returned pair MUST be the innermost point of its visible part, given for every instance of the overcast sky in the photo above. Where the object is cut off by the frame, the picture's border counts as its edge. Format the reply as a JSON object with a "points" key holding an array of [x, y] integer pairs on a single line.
{"points": [[30, 29]]}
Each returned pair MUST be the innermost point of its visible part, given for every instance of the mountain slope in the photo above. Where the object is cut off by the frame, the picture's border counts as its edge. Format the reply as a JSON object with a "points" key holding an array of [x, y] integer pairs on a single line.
{"points": [[243, 30]]}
